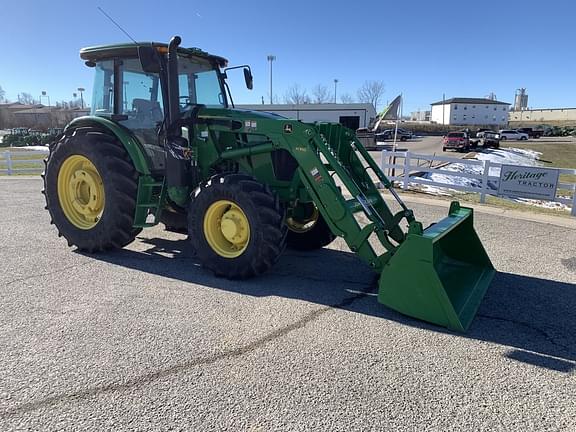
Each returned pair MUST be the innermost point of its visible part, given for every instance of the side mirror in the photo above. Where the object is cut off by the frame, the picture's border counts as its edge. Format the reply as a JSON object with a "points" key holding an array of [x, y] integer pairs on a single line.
{"points": [[149, 59], [248, 78]]}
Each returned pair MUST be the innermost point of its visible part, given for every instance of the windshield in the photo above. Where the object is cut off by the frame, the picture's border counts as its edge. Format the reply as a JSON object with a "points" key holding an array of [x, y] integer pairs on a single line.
{"points": [[199, 83], [455, 135]]}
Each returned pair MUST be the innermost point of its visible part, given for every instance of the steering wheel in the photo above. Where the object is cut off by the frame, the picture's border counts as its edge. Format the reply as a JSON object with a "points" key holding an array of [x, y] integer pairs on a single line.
{"points": [[184, 101]]}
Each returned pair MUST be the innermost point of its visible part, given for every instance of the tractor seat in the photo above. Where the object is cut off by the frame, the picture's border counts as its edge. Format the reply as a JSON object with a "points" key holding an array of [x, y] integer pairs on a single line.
{"points": [[148, 113]]}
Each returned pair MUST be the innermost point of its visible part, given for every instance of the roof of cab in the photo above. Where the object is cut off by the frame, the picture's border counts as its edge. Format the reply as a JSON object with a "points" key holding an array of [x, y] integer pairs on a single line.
{"points": [[102, 52]]}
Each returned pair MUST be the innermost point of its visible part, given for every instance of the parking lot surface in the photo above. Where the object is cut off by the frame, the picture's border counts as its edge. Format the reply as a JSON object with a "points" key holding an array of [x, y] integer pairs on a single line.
{"points": [[144, 338]]}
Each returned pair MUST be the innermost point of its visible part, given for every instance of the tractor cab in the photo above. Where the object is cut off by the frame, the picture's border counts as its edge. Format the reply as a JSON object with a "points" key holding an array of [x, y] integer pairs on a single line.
{"points": [[131, 88]]}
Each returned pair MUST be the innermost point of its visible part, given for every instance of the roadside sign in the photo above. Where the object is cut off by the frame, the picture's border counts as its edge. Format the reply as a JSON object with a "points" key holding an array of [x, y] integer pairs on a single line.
{"points": [[528, 182]]}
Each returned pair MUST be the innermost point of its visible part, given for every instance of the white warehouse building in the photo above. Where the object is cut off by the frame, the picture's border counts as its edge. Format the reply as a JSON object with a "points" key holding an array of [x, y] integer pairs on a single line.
{"points": [[470, 111], [353, 115]]}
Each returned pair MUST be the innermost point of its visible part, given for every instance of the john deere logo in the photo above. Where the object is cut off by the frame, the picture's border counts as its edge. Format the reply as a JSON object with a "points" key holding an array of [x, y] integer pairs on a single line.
{"points": [[287, 128]]}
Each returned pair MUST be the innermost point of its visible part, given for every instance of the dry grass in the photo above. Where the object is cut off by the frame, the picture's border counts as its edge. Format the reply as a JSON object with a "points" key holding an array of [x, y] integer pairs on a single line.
{"points": [[556, 153]]}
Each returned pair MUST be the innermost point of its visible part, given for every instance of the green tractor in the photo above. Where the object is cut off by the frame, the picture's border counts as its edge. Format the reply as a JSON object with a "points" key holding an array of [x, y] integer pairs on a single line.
{"points": [[162, 144]]}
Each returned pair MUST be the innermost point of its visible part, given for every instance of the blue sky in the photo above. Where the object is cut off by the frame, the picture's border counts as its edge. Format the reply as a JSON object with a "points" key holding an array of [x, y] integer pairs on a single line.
{"points": [[419, 48]]}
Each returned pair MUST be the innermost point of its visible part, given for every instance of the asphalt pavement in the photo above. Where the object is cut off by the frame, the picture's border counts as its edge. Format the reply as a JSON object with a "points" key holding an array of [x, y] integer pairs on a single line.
{"points": [[420, 144], [146, 339]]}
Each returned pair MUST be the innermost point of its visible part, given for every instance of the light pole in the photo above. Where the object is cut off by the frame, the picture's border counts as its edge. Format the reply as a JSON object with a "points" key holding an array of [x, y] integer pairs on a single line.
{"points": [[81, 90], [335, 85], [271, 58]]}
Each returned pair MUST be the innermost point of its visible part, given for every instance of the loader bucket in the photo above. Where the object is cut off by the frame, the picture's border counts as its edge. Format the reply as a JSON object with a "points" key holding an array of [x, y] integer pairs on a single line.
{"points": [[440, 276]]}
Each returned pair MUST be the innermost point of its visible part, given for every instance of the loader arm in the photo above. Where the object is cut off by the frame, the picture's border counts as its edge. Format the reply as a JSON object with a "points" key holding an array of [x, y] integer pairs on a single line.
{"points": [[439, 274]]}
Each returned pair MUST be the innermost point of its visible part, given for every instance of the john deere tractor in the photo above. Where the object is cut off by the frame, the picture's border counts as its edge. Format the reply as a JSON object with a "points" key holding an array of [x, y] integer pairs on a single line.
{"points": [[164, 144]]}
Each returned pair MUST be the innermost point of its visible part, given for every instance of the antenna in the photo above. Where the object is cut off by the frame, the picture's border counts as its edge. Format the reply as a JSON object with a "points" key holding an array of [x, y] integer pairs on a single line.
{"points": [[116, 24]]}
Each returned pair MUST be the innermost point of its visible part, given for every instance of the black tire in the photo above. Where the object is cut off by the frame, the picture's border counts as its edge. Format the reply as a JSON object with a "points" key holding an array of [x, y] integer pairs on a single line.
{"points": [[120, 184], [443, 149], [316, 237], [523, 138], [265, 216], [403, 138], [503, 138]]}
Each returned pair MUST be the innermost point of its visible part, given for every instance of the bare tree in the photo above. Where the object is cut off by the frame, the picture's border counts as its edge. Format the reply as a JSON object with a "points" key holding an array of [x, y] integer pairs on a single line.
{"points": [[346, 98], [321, 94], [296, 95], [2, 95], [275, 99], [26, 99], [371, 92]]}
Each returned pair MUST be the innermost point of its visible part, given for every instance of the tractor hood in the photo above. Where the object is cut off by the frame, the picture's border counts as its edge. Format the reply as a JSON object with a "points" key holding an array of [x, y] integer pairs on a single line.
{"points": [[258, 114], [241, 114]]}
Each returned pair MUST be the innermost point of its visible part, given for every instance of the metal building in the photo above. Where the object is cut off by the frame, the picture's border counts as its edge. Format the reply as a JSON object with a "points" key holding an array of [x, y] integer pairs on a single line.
{"points": [[353, 116]]}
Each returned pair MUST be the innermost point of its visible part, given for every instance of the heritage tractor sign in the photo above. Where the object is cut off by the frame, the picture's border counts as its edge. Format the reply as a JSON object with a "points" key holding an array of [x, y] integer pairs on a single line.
{"points": [[528, 182]]}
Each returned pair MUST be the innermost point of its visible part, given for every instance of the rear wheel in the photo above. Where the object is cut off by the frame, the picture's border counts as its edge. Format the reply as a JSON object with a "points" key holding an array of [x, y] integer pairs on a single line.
{"points": [[236, 225], [503, 138], [523, 138], [309, 232], [90, 187]]}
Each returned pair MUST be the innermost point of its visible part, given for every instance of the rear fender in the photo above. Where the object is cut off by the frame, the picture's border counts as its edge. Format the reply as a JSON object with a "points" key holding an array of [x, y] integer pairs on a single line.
{"points": [[129, 141]]}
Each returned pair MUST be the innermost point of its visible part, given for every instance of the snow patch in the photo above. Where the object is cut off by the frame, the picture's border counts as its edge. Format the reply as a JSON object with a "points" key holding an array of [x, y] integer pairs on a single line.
{"points": [[510, 156]]}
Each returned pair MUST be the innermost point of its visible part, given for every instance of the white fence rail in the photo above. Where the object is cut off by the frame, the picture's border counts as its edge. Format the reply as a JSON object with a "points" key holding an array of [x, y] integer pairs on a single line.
{"points": [[11, 161], [486, 184]]}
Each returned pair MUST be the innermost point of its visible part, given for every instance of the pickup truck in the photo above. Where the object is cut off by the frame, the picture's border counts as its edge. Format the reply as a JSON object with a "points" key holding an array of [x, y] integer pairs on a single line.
{"points": [[532, 133], [486, 138], [456, 140]]}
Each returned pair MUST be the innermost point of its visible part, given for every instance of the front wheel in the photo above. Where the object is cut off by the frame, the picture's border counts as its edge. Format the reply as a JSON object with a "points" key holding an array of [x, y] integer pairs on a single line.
{"points": [[236, 226]]}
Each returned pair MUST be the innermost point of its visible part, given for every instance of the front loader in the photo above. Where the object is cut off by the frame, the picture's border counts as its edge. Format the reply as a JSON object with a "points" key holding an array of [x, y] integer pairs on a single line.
{"points": [[163, 144]]}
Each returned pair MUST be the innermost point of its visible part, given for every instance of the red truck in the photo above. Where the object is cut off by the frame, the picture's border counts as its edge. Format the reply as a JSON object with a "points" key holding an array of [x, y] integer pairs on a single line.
{"points": [[456, 140]]}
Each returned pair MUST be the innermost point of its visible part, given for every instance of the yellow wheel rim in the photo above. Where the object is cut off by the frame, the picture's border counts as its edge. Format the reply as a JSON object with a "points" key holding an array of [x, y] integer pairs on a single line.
{"points": [[81, 192], [302, 226], [226, 229]]}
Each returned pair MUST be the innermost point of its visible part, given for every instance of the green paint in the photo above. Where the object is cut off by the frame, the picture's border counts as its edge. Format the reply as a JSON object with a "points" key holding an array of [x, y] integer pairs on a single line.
{"points": [[179, 195], [438, 275], [128, 140]]}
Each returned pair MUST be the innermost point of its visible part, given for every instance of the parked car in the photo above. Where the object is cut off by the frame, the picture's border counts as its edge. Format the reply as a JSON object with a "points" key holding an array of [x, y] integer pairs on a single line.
{"points": [[532, 133], [512, 134], [388, 134], [490, 139], [456, 140], [480, 132], [406, 132]]}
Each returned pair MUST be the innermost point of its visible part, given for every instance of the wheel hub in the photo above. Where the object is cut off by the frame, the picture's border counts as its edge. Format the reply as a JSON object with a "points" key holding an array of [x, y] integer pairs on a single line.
{"points": [[80, 192], [226, 228], [234, 228], [302, 225]]}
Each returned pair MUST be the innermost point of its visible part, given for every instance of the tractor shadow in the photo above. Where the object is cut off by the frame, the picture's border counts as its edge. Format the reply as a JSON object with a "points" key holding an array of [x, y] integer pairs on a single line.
{"points": [[536, 318]]}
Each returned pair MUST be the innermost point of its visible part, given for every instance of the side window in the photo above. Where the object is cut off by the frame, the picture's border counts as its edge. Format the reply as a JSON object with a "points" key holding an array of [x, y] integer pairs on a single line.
{"points": [[208, 91], [186, 96], [103, 91], [141, 96]]}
